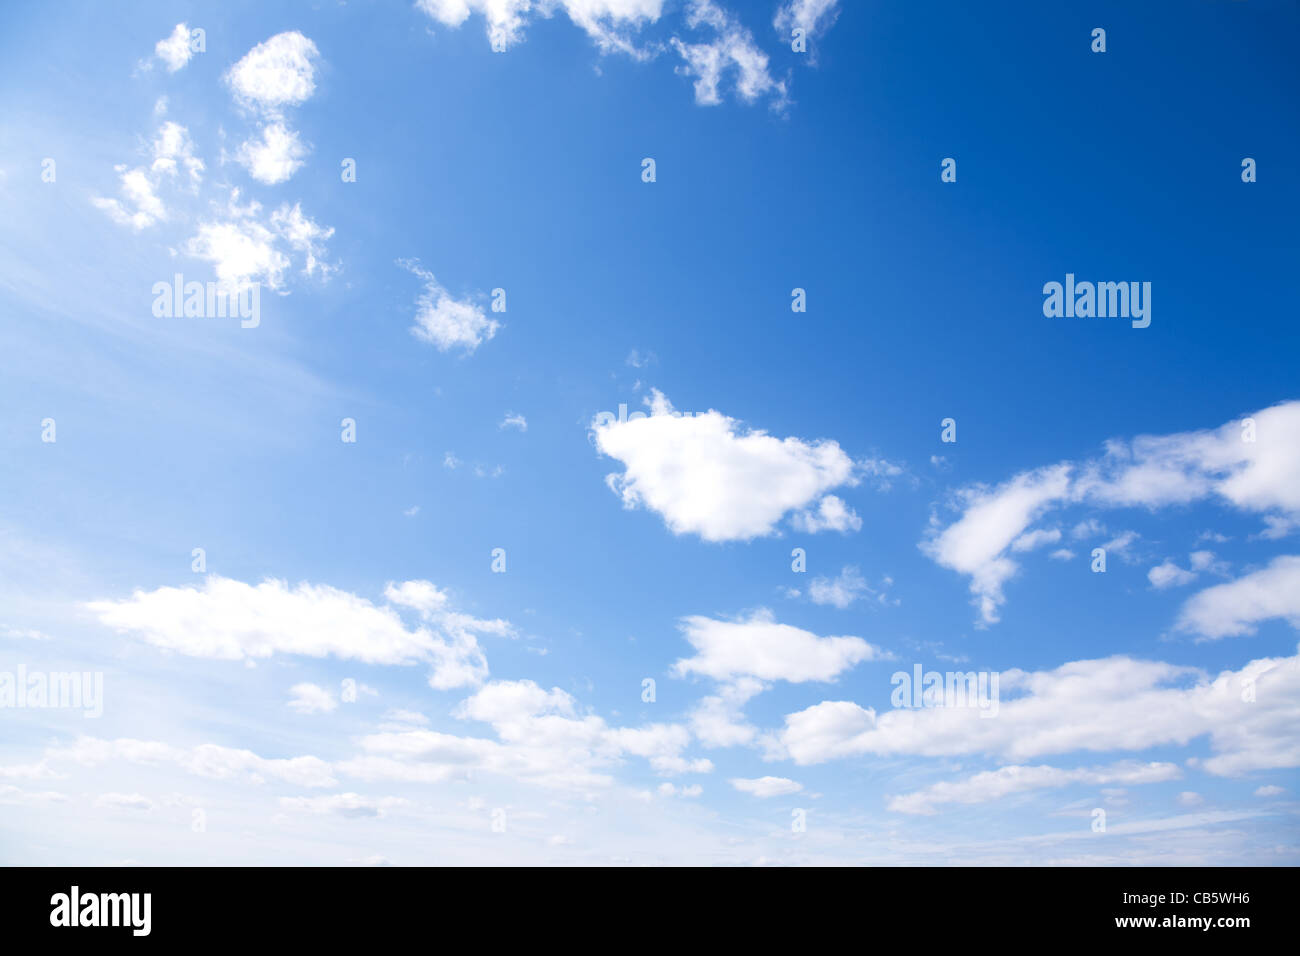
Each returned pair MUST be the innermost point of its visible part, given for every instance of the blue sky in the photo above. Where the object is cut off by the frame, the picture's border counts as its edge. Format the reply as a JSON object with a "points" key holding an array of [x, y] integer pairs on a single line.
{"points": [[499, 716]]}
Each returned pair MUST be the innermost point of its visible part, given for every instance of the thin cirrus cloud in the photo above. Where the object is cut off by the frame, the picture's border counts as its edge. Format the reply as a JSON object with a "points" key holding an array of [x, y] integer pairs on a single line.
{"points": [[706, 475], [1252, 465], [1006, 781]]}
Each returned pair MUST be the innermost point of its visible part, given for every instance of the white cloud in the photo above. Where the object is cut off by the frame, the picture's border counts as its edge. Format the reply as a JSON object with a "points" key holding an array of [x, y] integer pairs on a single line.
{"points": [[1005, 781], [513, 420], [1189, 798], [609, 23], [140, 205], [275, 157], [1269, 790], [840, 591], [242, 249], [304, 235], [707, 476], [543, 739], [994, 518], [731, 51], [1237, 607], [277, 73], [1260, 476], [1036, 539], [446, 322], [766, 786], [174, 50], [230, 620], [814, 16], [1113, 704], [760, 648], [831, 514], [1169, 575], [311, 699]]}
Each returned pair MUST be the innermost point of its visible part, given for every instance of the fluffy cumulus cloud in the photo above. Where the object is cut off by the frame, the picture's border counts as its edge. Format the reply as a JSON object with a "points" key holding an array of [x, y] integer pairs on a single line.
{"points": [[270, 78], [1251, 464], [275, 157], [1006, 781], [230, 620], [1250, 717], [760, 647], [747, 654], [245, 246], [446, 322], [275, 74], [174, 50], [707, 475], [1238, 607]]}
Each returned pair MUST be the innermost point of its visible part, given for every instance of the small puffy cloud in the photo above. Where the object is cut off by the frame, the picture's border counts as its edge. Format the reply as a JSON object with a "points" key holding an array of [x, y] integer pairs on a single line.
{"points": [[1237, 607], [1189, 798], [840, 591], [275, 157], [513, 420], [275, 74], [831, 514], [1169, 575], [174, 50], [303, 235], [311, 699], [766, 786], [1269, 790], [706, 475], [445, 322], [763, 649]]}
